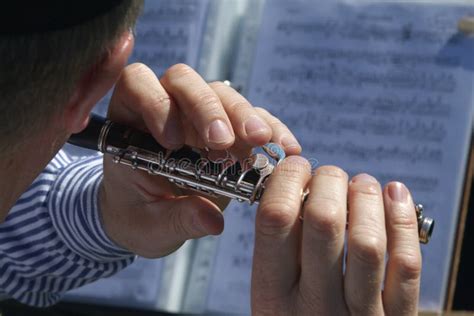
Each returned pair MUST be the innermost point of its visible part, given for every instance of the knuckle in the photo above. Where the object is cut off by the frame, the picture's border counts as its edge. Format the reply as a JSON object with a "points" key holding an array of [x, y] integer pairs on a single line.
{"points": [[357, 306], [137, 69], [132, 72], [266, 305], [367, 249], [160, 102], [206, 102], [401, 218], [401, 221], [275, 217], [332, 171], [267, 299], [262, 110], [323, 215], [270, 118], [237, 107], [293, 166], [276, 123], [219, 85], [178, 71], [408, 265], [310, 302], [366, 191], [266, 308]]}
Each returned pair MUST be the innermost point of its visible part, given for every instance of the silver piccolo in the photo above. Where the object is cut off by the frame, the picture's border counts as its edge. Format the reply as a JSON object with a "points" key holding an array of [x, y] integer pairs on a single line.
{"points": [[189, 167]]}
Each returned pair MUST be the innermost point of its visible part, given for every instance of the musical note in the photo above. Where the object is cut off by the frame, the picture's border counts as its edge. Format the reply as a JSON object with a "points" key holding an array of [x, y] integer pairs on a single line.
{"points": [[183, 10], [166, 37], [283, 97], [362, 30], [347, 76], [374, 58], [350, 150], [329, 124]]}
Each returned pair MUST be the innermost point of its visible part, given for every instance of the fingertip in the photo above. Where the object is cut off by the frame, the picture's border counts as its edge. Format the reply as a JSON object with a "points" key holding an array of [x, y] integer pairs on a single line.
{"points": [[220, 135], [295, 163], [397, 192], [257, 131], [293, 150], [363, 178], [257, 140], [211, 220], [291, 145]]}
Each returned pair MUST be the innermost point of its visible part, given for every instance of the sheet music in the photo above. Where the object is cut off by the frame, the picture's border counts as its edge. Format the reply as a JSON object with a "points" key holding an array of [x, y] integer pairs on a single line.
{"points": [[230, 279], [138, 286], [383, 88]]}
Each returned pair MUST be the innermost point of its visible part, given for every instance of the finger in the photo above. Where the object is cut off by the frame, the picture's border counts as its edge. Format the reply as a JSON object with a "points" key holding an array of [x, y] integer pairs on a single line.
{"points": [[325, 212], [162, 227], [200, 104], [280, 133], [192, 137], [140, 98], [402, 282], [277, 236], [366, 246], [148, 188], [221, 201], [251, 129]]}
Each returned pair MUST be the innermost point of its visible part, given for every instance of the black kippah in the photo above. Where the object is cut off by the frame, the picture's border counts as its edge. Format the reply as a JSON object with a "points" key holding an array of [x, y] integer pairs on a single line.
{"points": [[30, 16]]}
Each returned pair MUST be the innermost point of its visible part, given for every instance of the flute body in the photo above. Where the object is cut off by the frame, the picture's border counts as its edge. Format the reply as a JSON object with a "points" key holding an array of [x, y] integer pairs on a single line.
{"points": [[188, 167], [185, 167]]}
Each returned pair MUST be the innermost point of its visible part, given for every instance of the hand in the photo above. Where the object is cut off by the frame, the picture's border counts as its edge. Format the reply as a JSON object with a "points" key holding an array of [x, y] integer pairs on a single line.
{"points": [[298, 265], [147, 214]]}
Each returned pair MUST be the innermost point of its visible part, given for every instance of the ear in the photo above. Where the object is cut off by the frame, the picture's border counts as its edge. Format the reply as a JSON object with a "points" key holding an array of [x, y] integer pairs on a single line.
{"points": [[95, 83]]}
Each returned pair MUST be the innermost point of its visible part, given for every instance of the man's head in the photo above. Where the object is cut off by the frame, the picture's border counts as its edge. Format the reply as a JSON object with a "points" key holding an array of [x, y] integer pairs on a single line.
{"points": [[61, 66]]}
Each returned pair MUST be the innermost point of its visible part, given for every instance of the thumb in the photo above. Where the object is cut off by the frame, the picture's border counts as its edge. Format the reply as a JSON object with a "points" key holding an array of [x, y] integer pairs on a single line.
{"points": [[173, 221], [192, 217]]}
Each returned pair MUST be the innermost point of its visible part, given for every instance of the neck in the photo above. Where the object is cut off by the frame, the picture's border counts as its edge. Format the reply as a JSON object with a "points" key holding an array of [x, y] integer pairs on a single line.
{"points": [[14, 180], [20, 168]]}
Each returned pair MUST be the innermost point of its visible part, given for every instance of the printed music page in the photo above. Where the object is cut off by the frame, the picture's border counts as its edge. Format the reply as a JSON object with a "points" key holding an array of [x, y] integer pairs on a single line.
{"points": [[382, 88], [137, 286]]}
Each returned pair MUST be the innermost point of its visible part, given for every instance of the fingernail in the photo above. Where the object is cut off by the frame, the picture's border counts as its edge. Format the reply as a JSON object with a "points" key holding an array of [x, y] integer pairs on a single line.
{"points": [[219, 133], [364, 177], [289, 142], [397, 192], [255, 125]]}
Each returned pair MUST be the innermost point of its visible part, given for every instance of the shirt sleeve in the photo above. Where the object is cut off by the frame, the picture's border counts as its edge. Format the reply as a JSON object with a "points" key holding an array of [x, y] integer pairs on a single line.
{"points": [[53, 239]]}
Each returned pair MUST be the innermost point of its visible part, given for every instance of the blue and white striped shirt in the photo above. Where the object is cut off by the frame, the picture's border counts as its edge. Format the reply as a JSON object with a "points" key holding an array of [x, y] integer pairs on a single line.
{"points": [[52, 239]]}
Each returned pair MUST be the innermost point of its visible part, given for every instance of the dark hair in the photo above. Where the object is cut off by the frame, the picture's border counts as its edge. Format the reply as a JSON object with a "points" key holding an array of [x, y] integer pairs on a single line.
{"points": [[38, 71]]}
